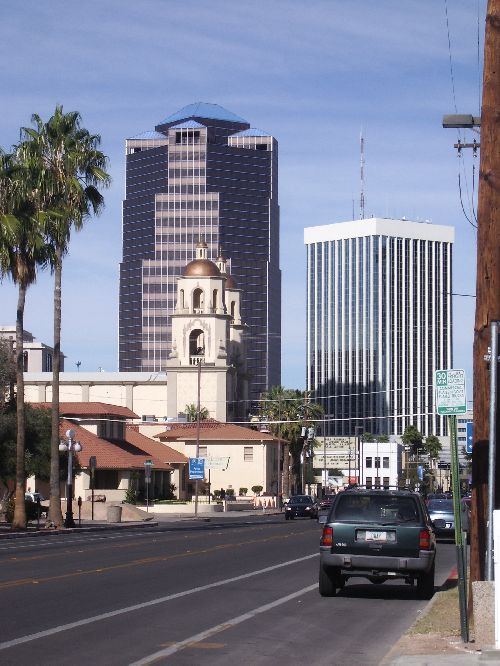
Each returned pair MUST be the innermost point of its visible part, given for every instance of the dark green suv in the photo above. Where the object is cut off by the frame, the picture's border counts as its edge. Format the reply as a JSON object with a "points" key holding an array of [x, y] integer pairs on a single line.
{"points": [[380, 535]]}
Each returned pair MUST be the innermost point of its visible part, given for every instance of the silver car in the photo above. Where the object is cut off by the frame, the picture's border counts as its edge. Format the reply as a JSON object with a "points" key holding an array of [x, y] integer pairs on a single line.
{"points": [[442, 510]]}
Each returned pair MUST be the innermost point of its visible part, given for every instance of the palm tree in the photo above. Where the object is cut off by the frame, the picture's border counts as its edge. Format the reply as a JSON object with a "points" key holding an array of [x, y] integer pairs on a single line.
{"points": [[71, 169], [22, 251], [191, 412], [291, 411]]}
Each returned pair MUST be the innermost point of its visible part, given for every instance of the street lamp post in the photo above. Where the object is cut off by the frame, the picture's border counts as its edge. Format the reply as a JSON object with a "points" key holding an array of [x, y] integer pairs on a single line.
{"points": [[70, 446]]}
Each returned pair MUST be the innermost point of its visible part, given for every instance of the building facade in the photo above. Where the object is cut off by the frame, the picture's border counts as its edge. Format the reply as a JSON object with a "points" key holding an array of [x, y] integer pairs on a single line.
{"points": [[208, 354], [37, 356], [202, 174], [379, 323]]}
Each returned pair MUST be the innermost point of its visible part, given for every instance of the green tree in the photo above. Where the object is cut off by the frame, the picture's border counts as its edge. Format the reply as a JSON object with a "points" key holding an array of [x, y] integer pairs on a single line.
{"points": [[70, 169], [288, 411], [191, 412], [7, 373], [413, 437], [432, 446], [22, 251]]}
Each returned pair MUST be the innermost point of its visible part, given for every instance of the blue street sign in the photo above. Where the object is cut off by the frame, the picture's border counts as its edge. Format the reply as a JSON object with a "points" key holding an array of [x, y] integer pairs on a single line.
{"points": [[470, 437], [196, 469]]}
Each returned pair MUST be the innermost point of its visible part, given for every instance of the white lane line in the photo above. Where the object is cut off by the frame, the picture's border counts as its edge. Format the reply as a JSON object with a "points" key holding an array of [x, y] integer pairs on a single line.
{"points": [[196, 638], [62, 540], [147, 604]]}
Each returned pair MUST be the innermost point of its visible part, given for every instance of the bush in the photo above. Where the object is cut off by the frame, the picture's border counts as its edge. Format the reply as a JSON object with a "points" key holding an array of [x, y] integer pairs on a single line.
{"points": [[242, 491], [230, 492], [216, 494], [257, 489], [31, 510], [131, 496]]}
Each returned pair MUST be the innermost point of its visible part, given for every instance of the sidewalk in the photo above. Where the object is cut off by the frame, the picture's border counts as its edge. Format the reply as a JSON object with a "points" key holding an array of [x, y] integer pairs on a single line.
{"points": [[154, 520], [434, 638]]}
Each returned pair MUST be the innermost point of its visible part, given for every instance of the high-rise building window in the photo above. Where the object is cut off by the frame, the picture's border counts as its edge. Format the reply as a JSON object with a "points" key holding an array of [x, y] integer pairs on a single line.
{"points": [[377, 323], [203, 173]]}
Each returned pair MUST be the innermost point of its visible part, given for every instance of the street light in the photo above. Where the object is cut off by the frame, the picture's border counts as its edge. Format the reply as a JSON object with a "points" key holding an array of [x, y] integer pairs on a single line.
{"points": [[70, 446]]}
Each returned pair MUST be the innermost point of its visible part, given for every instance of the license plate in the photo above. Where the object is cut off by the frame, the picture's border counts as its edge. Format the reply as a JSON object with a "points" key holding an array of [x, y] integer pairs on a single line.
{"points": [[375, 535]]}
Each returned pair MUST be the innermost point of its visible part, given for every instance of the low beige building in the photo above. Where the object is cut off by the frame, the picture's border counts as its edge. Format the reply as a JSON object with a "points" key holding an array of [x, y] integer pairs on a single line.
{"points": [[236, 457], [141, 392], [105, 432]]}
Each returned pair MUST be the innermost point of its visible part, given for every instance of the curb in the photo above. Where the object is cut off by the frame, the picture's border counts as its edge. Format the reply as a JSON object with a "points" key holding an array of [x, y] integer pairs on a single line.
{"points": [[393, 652], [78, 530], [175, 518]]}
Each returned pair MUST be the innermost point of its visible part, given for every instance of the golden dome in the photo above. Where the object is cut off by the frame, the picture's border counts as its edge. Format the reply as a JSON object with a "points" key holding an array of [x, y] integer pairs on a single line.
{"points": [[230, 283], [201, 268]]}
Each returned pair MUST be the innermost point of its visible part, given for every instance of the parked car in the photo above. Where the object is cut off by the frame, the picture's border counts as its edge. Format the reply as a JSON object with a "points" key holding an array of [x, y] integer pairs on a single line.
{"points": [[432, 496], [34, 505], [326, 502], [378, 534], [301, 506], [442, 511]]}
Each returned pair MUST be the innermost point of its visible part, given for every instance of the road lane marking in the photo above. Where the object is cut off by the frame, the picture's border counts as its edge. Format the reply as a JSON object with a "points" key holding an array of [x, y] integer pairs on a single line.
{"points": [[141, 562], [147, 604], [229, 624], [58, 540], [199, 646]]}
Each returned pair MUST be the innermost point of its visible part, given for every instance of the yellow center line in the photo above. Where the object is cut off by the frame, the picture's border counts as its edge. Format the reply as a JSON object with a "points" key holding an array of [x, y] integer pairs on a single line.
{"points": [[143, 561]]}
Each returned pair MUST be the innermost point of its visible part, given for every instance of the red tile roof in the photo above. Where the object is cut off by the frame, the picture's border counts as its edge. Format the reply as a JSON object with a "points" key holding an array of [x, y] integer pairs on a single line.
{"points": [[117, 454], [157, 449], [89, 409], [214, 430]]}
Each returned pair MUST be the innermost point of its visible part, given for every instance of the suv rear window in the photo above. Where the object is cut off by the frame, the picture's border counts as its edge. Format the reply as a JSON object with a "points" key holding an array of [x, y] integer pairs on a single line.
{"points": [[377, 509]]}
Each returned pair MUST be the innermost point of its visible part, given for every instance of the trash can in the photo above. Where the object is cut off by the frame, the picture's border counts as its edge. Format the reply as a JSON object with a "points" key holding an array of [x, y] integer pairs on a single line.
{"points": [[114, 514]]}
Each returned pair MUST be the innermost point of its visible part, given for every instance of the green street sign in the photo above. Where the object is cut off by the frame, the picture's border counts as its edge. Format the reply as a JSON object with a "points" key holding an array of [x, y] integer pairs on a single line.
{"points": [[450, 393]]}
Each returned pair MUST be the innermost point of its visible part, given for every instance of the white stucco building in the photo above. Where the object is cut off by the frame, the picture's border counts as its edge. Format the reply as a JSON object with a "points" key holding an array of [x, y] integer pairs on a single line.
{"points": [[379, 323], [207, 335]]}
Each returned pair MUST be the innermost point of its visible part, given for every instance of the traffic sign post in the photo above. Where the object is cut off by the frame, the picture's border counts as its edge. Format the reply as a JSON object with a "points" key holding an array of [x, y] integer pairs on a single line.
{"points": [[451, 399], [92, 466], [196, 469], [147, 479], [449, 387], [470, 437]]}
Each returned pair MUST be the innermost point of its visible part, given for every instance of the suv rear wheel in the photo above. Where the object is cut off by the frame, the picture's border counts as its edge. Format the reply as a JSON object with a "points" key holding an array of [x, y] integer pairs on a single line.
{"points": [[425, 584], [329, 580]]}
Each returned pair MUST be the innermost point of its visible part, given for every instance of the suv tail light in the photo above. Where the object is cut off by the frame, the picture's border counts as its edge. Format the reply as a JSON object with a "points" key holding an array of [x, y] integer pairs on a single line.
{"points": [[327, 536], [425, 540]]}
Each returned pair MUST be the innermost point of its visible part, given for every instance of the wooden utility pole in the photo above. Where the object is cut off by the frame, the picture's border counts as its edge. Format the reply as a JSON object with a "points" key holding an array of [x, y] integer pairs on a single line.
{"points": [[487, 285]]}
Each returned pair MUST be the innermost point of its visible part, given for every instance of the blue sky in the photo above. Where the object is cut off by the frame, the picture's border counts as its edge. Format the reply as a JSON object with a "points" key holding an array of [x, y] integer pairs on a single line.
{"points": [[311, 73]]}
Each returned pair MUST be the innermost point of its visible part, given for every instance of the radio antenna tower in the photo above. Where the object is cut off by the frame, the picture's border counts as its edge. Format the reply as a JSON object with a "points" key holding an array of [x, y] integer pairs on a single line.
{"points": [[362, 169]]}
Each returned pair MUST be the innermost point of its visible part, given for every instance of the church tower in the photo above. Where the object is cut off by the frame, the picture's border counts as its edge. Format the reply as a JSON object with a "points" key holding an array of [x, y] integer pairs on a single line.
{"points": [[207, 330]]}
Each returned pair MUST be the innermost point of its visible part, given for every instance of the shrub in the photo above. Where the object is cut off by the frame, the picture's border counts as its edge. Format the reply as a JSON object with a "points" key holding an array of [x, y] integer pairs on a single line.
{"points": [[242, 491], [216, 494], [230, 492], [131, 496], [257, 489]]}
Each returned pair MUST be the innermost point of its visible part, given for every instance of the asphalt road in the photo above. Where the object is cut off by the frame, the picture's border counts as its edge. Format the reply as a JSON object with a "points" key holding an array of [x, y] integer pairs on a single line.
{"points": [[238, 591]]}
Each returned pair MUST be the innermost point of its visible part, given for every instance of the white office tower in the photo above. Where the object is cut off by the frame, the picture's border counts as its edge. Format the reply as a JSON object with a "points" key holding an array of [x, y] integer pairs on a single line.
{"points": [[379, 323]]}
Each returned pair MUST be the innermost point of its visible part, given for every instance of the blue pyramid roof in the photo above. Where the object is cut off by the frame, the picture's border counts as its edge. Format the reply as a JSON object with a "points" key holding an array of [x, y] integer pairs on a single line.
{"points": [[251, 132], [187, 124], [204, 110], [151, 134]]}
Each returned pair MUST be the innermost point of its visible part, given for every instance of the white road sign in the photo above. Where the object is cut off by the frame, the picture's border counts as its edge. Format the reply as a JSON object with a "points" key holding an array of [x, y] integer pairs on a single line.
{"points": [[216, 462], [449, 388]]}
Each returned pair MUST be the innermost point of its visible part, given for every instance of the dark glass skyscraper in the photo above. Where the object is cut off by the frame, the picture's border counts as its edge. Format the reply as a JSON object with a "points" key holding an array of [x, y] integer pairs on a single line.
{"points": [[202, 173]]}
